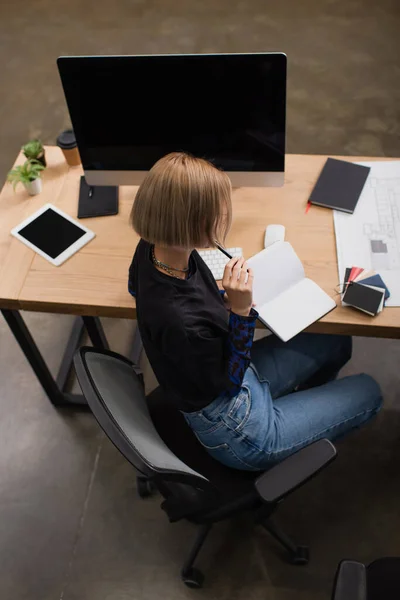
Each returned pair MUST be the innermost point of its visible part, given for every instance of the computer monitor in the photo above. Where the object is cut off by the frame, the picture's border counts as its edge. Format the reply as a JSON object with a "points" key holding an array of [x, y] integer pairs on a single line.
{"points": [[129, 111]]}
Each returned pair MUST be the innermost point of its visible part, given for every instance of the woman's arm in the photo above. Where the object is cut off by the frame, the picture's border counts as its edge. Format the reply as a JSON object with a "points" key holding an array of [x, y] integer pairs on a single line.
{"points": [[238, 284], [218, 363], [240, 341]]}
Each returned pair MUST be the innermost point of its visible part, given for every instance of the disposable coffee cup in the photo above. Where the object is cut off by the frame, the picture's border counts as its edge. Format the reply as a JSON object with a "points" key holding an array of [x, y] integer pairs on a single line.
{"points": [[67, 142]]}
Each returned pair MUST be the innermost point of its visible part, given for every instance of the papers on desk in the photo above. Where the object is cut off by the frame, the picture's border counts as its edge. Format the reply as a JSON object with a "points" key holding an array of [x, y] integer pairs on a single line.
{"points": [[286, 300], [371, 235]]}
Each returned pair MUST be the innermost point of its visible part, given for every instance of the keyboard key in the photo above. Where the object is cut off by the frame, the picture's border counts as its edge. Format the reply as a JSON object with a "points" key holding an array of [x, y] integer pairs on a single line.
{"points": [[216, 260]]}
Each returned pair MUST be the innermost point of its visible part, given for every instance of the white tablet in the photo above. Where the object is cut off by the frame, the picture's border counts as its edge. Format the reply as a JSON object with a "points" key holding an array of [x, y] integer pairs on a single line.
{"points": [[53, 234]]}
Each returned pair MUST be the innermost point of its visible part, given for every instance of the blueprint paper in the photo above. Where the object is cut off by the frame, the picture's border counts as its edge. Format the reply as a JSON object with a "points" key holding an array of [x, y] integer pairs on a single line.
{"points": [[370, 237]]}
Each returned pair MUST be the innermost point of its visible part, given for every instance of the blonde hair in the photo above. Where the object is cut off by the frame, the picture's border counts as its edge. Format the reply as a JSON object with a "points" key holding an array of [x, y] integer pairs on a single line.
{"points": [[183, 202]]}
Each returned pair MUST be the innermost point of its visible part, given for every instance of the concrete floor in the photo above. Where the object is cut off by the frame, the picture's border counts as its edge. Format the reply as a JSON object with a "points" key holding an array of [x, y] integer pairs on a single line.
{"points": [[71, 526]]}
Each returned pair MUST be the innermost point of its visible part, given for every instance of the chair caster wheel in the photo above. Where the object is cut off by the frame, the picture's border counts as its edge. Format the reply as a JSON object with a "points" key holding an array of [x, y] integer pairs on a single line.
{"points": [[145, 487], [301, 556], [193, 578]]}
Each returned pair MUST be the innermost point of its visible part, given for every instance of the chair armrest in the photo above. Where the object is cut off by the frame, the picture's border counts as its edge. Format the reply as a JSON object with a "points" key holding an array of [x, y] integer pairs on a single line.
{"points": [[350, 581], [295, 470]]}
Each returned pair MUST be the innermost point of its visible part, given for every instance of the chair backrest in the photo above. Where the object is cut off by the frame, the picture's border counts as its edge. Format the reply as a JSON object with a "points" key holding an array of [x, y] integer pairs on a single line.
{"points": [[116, 397]]}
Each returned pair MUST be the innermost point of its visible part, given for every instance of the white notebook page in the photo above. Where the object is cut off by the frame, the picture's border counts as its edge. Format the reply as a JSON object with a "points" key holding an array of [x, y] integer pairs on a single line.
{"points": [[296, 308], [276, 269]]}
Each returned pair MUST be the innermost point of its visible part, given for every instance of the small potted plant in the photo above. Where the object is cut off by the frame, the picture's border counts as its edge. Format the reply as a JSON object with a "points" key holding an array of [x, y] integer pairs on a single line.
{"points": [[34, 150], [29, 175]]}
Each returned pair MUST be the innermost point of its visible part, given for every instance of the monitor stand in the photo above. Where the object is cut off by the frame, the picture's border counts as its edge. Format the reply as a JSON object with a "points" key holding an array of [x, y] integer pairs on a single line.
{"points": [[97, 200]]}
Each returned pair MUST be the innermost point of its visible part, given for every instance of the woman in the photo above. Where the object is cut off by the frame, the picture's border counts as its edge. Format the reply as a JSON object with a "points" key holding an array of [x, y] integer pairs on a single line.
{"points": [[239, 397]]}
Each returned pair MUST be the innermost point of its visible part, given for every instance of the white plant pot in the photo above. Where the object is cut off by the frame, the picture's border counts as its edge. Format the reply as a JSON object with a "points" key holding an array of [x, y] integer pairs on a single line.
{"points": [[34, 187]]}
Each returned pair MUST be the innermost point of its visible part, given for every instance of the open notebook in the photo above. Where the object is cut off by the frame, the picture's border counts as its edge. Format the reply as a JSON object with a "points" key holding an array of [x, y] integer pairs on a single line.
{"points": [[286, 300]]}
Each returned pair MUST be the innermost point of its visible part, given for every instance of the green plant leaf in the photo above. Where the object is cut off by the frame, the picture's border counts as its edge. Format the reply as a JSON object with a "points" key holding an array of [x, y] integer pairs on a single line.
{"points": [[29, 171], [33, 149]]}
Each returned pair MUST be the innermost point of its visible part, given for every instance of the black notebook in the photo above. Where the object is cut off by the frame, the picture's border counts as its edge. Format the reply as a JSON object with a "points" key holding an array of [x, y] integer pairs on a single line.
{"points": [[364, 298], [339, 185]]}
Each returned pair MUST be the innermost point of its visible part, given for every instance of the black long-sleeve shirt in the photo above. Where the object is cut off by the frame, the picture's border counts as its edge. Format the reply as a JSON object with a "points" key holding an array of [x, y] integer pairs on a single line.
{"points": [[197, 349]]}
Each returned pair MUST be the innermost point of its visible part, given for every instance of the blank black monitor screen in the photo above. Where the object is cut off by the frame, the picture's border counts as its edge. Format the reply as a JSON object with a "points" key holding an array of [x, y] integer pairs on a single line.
{"points": [[129, 111], [51, 233]]}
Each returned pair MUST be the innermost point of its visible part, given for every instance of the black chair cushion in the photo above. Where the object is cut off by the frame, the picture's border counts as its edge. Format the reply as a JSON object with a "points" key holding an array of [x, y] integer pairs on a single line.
{"points": [[178, 436]]}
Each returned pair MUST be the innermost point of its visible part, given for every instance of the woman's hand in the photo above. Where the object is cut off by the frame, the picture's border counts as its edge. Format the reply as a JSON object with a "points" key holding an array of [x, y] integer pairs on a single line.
{"points": [[238, 285]]}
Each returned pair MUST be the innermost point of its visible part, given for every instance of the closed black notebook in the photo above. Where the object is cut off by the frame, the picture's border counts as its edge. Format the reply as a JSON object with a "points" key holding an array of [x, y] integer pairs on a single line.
{"points": [[339, 185], [363, 297]]}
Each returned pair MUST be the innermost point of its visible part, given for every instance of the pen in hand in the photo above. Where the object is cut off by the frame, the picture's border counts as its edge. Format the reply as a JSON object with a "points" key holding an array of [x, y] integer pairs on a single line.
{"points": [[221, 249]]}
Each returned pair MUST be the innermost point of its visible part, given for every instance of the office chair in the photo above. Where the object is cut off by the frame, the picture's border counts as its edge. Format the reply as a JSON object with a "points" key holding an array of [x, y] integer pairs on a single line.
{"points": [[378, 581], [167, 456]]}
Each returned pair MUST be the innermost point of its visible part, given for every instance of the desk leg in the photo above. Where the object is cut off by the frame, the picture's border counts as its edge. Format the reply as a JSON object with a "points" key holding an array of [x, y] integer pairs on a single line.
{"points": [[74, 342], [28, 346], [97, 337], [96, 332]]}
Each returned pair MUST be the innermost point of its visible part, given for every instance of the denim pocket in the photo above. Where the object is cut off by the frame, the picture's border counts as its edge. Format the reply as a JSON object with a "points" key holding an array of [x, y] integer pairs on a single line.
{"points": [[224, 454], [200, 423], [239, 409]]}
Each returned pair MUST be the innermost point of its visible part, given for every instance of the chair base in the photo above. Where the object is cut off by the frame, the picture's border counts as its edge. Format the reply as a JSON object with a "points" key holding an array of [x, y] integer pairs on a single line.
{"points": [[298, 555], [145, 487], [301, 556], [193, 578]]}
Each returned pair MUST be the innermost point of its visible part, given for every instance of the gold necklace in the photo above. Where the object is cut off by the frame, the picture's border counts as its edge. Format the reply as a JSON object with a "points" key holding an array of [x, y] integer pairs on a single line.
{"points": [[165, 267]]}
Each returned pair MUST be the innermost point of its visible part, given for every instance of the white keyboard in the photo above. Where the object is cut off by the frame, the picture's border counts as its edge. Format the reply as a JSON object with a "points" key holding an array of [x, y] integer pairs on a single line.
{"points": [[216, 261]]}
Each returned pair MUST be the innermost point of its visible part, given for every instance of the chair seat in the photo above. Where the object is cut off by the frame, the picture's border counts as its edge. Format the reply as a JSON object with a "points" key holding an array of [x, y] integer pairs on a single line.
{"points": [[180, 439]]}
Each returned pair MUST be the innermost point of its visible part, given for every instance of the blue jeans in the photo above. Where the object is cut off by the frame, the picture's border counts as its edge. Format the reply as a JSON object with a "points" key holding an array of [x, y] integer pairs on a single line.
{"points": [[267, 421]]}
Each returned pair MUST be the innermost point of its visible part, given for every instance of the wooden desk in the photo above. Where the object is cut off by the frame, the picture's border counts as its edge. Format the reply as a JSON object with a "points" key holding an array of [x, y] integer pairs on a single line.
{"points": [[93, 282]]}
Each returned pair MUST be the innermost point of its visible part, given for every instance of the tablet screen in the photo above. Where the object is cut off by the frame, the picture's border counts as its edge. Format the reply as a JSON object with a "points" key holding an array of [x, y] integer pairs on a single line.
{"points": [[51, 233]]}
